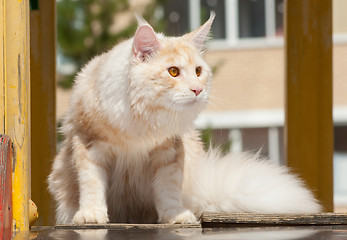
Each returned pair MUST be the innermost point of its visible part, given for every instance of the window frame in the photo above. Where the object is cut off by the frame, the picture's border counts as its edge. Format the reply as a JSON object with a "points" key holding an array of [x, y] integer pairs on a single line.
{"points": [[232, 39]]}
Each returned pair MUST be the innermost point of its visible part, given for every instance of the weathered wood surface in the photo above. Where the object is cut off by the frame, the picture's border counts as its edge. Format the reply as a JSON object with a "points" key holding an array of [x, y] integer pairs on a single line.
{"points": [[15, 101], [212, 220], [6, 187], [250, 219], [125, 226]]}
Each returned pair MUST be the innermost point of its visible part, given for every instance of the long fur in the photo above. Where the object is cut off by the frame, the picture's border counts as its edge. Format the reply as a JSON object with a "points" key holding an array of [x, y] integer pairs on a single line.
{"points": [[131, 153], [244, 182]]}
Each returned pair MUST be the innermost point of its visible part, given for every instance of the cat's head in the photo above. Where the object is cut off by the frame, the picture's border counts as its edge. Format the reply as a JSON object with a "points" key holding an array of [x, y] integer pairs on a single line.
{"points": [[168, 74]]}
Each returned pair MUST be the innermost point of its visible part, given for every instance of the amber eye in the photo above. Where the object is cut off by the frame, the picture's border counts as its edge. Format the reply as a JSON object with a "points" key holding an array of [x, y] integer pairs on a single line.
{"points": [[198, 71], [174, 71]]}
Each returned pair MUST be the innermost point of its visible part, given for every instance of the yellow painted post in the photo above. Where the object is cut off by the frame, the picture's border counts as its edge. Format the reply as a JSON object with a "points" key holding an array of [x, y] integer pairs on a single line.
{"points": [[43, 138], [2, 66], [15, 101], [309, 125]]}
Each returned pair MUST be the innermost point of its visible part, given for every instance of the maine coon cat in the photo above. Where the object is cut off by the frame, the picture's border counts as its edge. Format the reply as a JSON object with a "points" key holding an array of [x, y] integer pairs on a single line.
{"points": [[131, 153]]}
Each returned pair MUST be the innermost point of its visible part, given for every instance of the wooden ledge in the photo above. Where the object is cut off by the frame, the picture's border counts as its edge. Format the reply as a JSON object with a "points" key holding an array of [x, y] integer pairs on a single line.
{"points": [[126, 226], [221, 220], [210, 220]]}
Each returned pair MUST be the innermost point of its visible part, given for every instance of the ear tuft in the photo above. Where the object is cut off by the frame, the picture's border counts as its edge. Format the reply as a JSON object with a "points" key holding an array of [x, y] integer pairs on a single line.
{"points": [[140, 20], [199, 36], [145, 41]]}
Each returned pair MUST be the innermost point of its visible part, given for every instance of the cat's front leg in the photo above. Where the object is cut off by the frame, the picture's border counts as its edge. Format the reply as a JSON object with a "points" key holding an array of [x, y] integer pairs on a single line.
{"points": [[92, 183], [168, 188]]}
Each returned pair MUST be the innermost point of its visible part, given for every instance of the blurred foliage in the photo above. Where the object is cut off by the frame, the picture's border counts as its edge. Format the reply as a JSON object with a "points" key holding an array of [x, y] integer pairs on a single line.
{"points": [[60, 135], [209, 141], [66, 82], [84, 28], [206, 137]]}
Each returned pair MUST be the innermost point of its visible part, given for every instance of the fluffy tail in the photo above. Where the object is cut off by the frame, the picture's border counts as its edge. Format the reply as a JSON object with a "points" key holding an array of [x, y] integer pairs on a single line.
{"points": [[244, 183]]}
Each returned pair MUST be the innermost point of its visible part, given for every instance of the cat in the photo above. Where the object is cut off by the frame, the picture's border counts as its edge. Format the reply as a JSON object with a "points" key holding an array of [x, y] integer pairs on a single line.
{"points": [[132, 155]]}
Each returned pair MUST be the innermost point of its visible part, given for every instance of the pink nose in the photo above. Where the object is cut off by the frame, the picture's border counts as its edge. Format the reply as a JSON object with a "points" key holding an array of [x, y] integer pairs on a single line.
{"points": [[197, 91]]}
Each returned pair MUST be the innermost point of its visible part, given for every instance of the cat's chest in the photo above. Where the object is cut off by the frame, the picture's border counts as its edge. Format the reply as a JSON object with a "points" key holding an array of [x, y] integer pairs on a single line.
{"points": [[131, 174], [126, 146], [135, 167], [130, 195], [130, 149]]}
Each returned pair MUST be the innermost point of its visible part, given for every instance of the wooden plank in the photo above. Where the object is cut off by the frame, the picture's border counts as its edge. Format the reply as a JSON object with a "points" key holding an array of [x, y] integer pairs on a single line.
{"points": [[16, 99], [261, 220], [126, 226], [42, 75], [6, 187], [309, 125]]}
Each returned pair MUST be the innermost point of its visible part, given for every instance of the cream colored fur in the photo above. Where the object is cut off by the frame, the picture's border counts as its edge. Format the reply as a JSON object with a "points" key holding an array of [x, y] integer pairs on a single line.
{"points": [[131, 153]]}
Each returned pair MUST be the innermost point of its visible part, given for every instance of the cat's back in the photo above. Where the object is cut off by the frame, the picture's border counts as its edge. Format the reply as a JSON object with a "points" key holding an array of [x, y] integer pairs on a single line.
{"points": [[102, 83], [104, 65]]}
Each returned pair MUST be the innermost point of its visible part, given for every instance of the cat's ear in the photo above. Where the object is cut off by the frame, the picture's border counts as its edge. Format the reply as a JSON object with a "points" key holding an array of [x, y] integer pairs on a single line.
{"points": [[199, 36], [145, 41]]}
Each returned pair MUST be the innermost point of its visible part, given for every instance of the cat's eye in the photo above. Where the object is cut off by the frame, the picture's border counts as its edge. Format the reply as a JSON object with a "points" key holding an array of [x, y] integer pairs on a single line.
{"points": [[198, 71], [174, 71]]}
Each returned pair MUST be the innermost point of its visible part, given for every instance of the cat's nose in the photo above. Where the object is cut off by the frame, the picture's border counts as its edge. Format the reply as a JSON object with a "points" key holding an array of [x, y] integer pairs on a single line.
{"points": [[197, 91]]}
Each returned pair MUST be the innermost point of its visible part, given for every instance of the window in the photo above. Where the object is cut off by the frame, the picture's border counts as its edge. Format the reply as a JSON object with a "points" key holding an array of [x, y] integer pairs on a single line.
{"points": [[218, 6], [251, 18], [237, 21], [279, 17], [176, 14]]}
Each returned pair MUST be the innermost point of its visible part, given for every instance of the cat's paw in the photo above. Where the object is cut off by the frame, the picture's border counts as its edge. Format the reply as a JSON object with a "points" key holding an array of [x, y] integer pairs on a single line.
{"points": [[178, 215], [90, 215]]}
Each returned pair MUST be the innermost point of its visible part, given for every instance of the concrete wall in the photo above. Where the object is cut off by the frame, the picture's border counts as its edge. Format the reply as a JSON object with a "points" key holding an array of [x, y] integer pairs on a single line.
{"points": [[249, 79]]}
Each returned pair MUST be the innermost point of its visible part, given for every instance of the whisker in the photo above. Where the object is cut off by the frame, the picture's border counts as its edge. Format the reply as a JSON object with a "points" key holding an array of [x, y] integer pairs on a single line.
{"points": [[217, 99], [214, 106]]}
